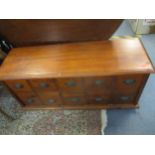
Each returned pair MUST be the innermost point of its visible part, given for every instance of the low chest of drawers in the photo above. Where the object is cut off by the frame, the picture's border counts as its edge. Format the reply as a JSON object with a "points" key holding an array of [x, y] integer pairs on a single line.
{"points": [[88, 75]]}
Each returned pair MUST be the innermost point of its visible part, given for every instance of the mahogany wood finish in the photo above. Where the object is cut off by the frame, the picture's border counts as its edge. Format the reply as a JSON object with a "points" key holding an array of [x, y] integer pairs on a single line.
{"points": [[122, 83], [100, 97], [70, 84], [74, 98], [43, 85], [98, 58], [28, 32], [90, 75], [19, 85], [50, 98], [98, 84], [29, 98]]}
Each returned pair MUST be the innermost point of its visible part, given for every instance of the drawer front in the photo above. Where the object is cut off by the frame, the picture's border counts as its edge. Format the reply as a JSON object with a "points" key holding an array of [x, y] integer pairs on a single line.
{"points": [[28, 98], [99, 98], [44, 84], [70, 84], [73, 98], [101, 84], [19, 85], [129, 83], [51, 98], [125, 98]]}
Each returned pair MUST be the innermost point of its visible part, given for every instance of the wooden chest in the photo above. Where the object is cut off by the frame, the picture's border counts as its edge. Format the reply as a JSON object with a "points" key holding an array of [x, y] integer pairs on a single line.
{"points": [[89, 75]]}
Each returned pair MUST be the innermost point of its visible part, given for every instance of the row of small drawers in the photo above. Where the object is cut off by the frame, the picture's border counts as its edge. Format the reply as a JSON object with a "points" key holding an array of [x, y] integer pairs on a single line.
{"points": [[56, 98], [128, 83], [77, 90]]}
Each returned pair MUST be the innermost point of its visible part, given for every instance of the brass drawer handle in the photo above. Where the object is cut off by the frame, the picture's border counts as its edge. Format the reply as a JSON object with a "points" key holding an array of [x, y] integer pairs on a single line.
{"points": [[30, 100], [18, 86], [99, 82], [99, 99], [125, 98], [71, 83], [51, 101], [129, 81], [44, 85], [75, 99]]}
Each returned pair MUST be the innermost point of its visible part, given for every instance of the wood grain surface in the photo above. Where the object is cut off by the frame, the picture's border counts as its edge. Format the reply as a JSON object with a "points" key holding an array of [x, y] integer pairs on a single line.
{"points": [[26, 32], [96, 58]]}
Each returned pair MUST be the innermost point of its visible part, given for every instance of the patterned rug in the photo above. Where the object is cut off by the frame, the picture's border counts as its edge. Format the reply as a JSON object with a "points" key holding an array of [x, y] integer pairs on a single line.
{"points": [[44, 122], [79, 122]]}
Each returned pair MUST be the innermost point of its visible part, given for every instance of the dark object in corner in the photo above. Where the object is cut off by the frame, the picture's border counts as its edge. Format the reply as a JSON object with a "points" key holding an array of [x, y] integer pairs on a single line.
{"points": [[5, 47]]}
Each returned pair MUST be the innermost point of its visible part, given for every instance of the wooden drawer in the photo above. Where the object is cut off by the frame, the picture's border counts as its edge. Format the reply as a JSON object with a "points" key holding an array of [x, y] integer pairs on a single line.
{"points": [[99, 84], [44, 84], [28, 98], [50, 98], [73, 98], [99, 98], [129, 83], [125, 97], [70, 84], [19, 85]]}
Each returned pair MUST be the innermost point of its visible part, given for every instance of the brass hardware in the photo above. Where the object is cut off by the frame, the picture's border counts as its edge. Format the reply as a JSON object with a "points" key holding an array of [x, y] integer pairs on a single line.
{"points": [[125, 98], [99, 82], [51, 101], [75, 99], [99, 99], [30, 100], [71, 83], [18, 86], [129, 81], [43, 85]]}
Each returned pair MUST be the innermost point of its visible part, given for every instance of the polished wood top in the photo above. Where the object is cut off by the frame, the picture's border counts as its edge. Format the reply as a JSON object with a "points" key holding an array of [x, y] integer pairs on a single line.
{"points": [[94, 58]]}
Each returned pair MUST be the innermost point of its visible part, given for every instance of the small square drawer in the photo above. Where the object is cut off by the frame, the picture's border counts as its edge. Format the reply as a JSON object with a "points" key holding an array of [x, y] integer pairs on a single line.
{"points": [[129, 83], [50, 98], [28, 98], [44, 84], [73, 98], [99, 98], [70, 84], [101, 84], [125, 97], [18, 85]]}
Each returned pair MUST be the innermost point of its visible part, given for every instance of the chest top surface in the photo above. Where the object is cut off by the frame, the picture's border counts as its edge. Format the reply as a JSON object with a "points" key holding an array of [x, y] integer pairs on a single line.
{"points": [[95, 58]]}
